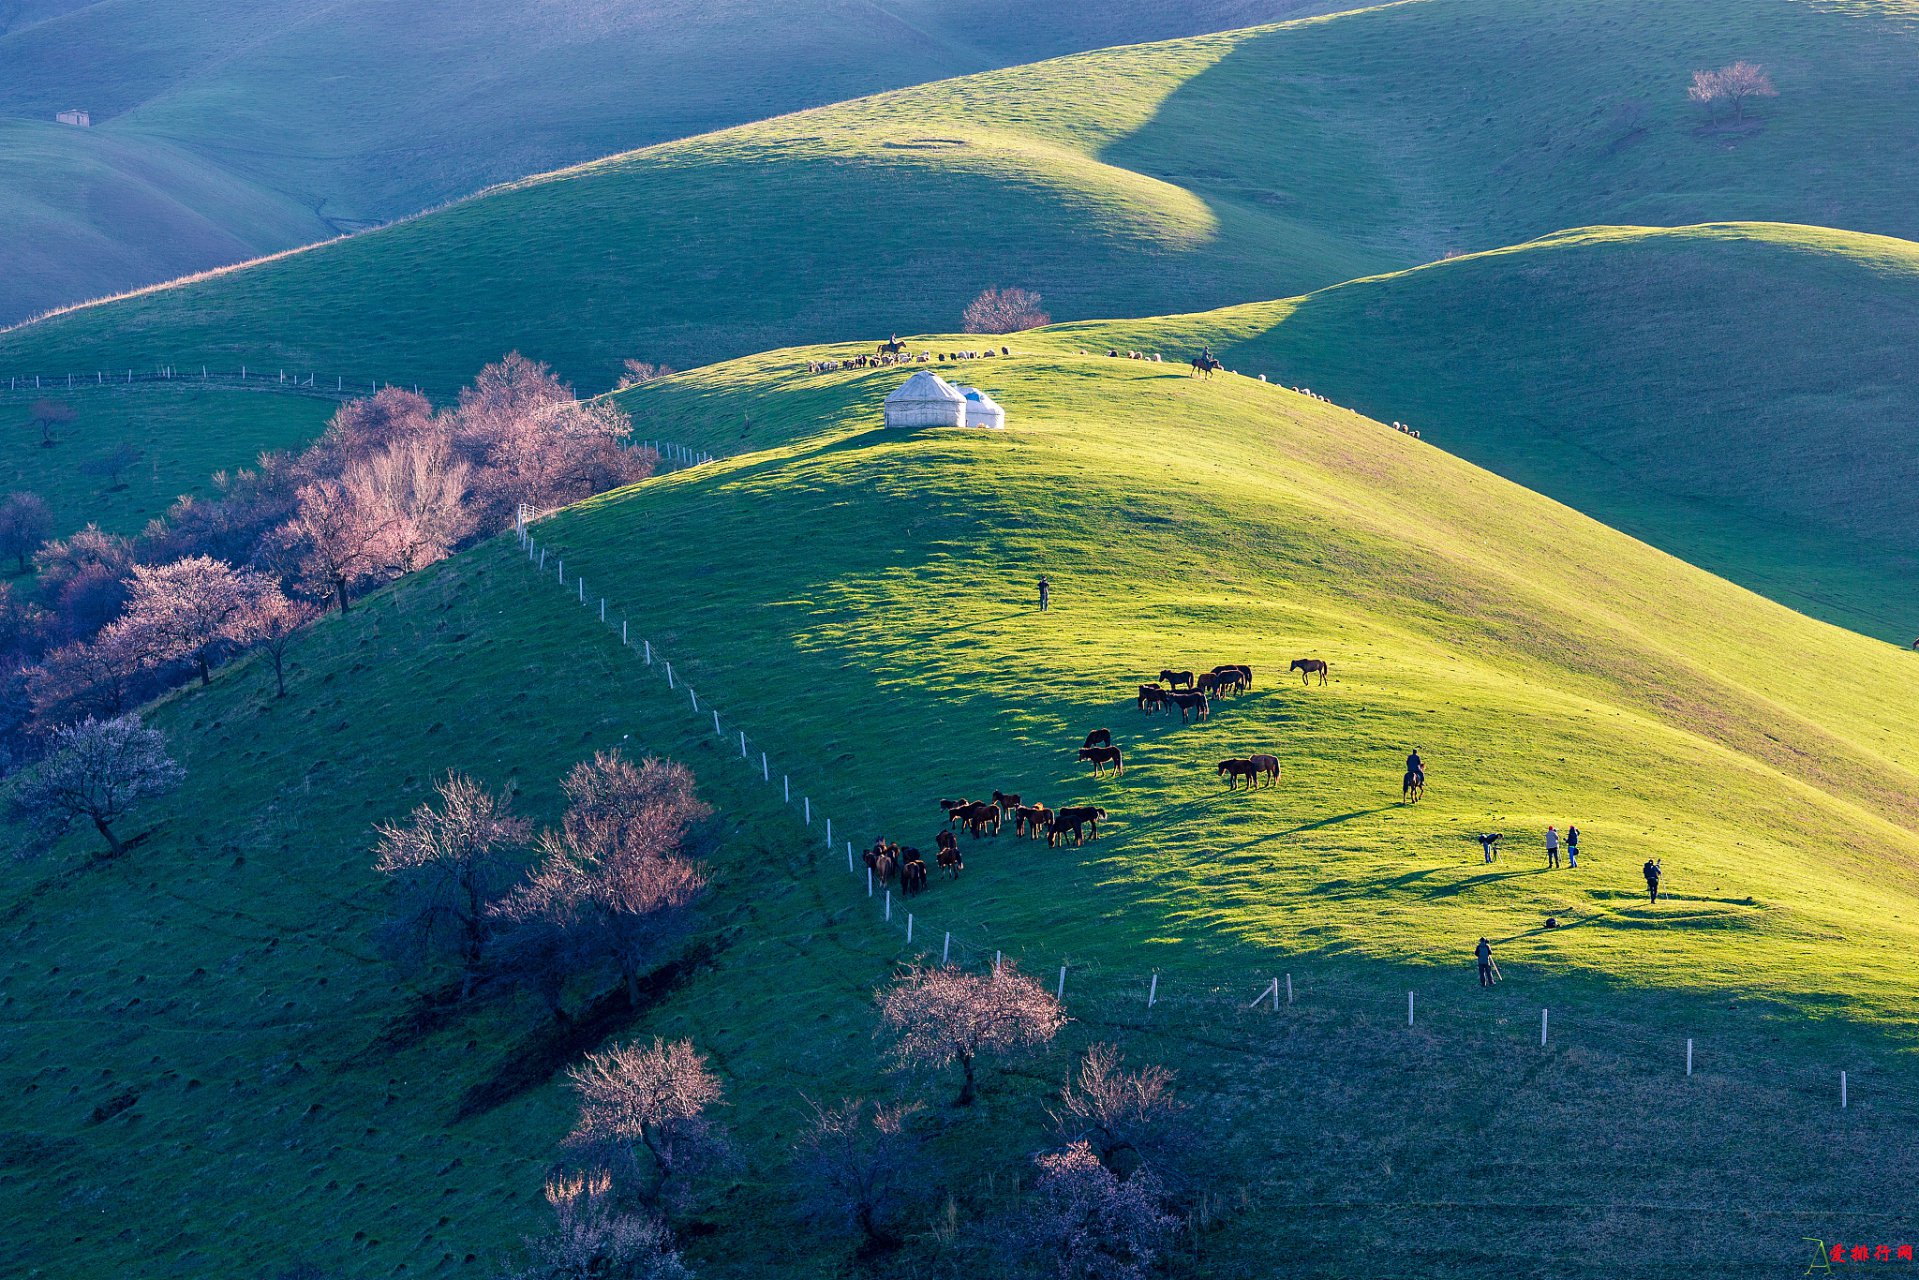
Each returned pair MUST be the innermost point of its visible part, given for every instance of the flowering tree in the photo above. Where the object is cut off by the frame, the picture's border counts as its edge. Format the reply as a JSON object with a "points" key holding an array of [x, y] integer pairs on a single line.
{"points": [[1734, 84], [1083, 1223], [335, 537], [1004, 311], [859, 1165], [415, 494], [643, 1113], [592, 1239], [189, 609], [25, 522], [455, 858], [637, 371], [272, 623], [98, 770], [612, 879], [88, 677], [946, 1017]]}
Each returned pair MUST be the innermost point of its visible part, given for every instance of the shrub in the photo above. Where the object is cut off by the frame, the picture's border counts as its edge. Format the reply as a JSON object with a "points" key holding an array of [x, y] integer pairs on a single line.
{"points": [[1004, 311]]}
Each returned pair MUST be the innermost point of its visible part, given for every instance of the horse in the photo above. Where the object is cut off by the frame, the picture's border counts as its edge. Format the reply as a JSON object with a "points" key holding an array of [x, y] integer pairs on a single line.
{"points": [[1245, 672], [1190, 702], [950, 861], [953, 808], [1073, 819], [1309, 667], [1151, 698], [1101, 757], [1268, 767], [1005, 803], [891, 347], [1031, 819], [1234, 770], [979, 815], [946, 840], [912, 872], [1099, 738], [1208, 683], [1174, 679], [883, 868], [1205, 364], [1412, 787], [1232, 680]]}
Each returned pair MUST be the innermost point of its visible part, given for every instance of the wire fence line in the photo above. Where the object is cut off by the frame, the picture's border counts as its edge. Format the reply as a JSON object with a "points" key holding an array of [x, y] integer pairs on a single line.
{"points": [[1267, 988], [248, 375]]}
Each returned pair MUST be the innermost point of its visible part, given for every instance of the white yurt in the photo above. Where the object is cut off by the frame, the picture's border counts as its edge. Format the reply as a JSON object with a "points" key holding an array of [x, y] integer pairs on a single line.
{"points": [[981, 409], [926, 400]]}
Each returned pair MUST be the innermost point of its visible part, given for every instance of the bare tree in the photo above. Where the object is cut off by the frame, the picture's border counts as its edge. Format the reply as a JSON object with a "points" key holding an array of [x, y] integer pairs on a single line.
{"points": [[98, 770], [592, 1239], [613, 879], [25, 523], [859, 1165], [638, 371], [190, 609], [114, 463], [1082, 1223], [1127, 1117], [1005, 311], [946, 1017], [335, 538], [49, 416], [455, 858], [271, 623], [643, 1116], [415, 494], [1734, 83], [363, 427]]}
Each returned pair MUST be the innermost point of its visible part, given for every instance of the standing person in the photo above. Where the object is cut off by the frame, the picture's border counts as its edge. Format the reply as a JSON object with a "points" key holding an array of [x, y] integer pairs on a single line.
{"points": [[1552, 848], [1652, 871], [1572, 847], [1489, 844], [1045, 594], [1485, 953]]}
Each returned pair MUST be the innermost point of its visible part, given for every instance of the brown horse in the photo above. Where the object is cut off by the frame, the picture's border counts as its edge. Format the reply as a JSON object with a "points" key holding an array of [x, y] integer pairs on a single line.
{"points": [[1234, 770], [1101, 757], [1190, 702], [1245, 671], [912, 872], [953, 808], [1268, 767], [883, 868], [950, 861], [946, 840], [1208, 683], [1174, 679], [1005, 803], [1309, 667], [1031, 819], [1151, 698], [1073, 819], [890, 348], [979, 815], [1098, 738]]}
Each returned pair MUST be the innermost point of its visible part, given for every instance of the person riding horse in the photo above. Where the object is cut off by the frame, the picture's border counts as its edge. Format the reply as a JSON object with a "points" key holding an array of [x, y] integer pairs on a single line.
{"points": [[1416, 768], [1205, 362]]}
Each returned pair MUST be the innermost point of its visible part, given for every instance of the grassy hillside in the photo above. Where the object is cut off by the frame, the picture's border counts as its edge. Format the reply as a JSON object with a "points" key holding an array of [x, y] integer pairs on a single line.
{"points": [[1144, 180], [859, 601], [1741, 396], [184, 433], [337, 115]]}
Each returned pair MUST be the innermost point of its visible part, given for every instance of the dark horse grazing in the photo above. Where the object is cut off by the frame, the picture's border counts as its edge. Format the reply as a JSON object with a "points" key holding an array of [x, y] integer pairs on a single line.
{"points": [[1268, 767], [891, 347], [1205, 363], [1072, 820], [1412, 787], [1234, 770], [1174, 679], [1245, 672], [1190, 702], [950, 861], [1309, 667], [1099, 738], [1151, 697], [1101, 757], [1031, 819]]}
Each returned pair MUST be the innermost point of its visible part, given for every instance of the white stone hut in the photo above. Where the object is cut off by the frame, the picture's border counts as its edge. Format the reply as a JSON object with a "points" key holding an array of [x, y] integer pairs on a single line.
{"points": [[981, 409], [926, 400]]}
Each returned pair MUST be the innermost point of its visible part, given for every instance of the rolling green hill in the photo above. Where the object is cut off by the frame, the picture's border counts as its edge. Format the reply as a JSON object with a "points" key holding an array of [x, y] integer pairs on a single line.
{"points": [[858, 601], [1165, 177], [226, 129], [1741, 396]]}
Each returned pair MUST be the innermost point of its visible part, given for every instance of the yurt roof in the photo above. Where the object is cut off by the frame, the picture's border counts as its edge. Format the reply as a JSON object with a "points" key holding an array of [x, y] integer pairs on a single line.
{"points": [[925, 385]]}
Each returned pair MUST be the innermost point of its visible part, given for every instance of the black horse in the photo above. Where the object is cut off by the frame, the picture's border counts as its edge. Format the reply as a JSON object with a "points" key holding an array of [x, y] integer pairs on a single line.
{"points": [[1206, 362]]}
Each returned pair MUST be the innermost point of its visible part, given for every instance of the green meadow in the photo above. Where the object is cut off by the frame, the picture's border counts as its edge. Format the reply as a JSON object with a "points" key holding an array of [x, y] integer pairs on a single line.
{"points": [[859, 602]]}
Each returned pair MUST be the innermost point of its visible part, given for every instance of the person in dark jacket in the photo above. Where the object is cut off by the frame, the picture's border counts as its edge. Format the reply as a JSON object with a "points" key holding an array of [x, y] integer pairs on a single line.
{"points": [[1572, 847], [1486, 969], [1045, 594], [1652, 871]]}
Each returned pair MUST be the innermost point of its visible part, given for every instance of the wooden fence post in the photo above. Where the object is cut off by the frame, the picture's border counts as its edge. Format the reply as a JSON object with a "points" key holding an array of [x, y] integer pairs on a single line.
{"points": [[1289, 988]]}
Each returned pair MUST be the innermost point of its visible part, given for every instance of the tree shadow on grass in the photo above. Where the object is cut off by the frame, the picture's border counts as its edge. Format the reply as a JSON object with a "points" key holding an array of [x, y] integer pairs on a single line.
{"points": [[540, 1055]]}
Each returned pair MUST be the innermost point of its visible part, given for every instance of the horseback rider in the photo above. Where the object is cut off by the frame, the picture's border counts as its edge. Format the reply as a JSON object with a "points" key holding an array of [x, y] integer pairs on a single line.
{"points": [[1416, 768]]}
